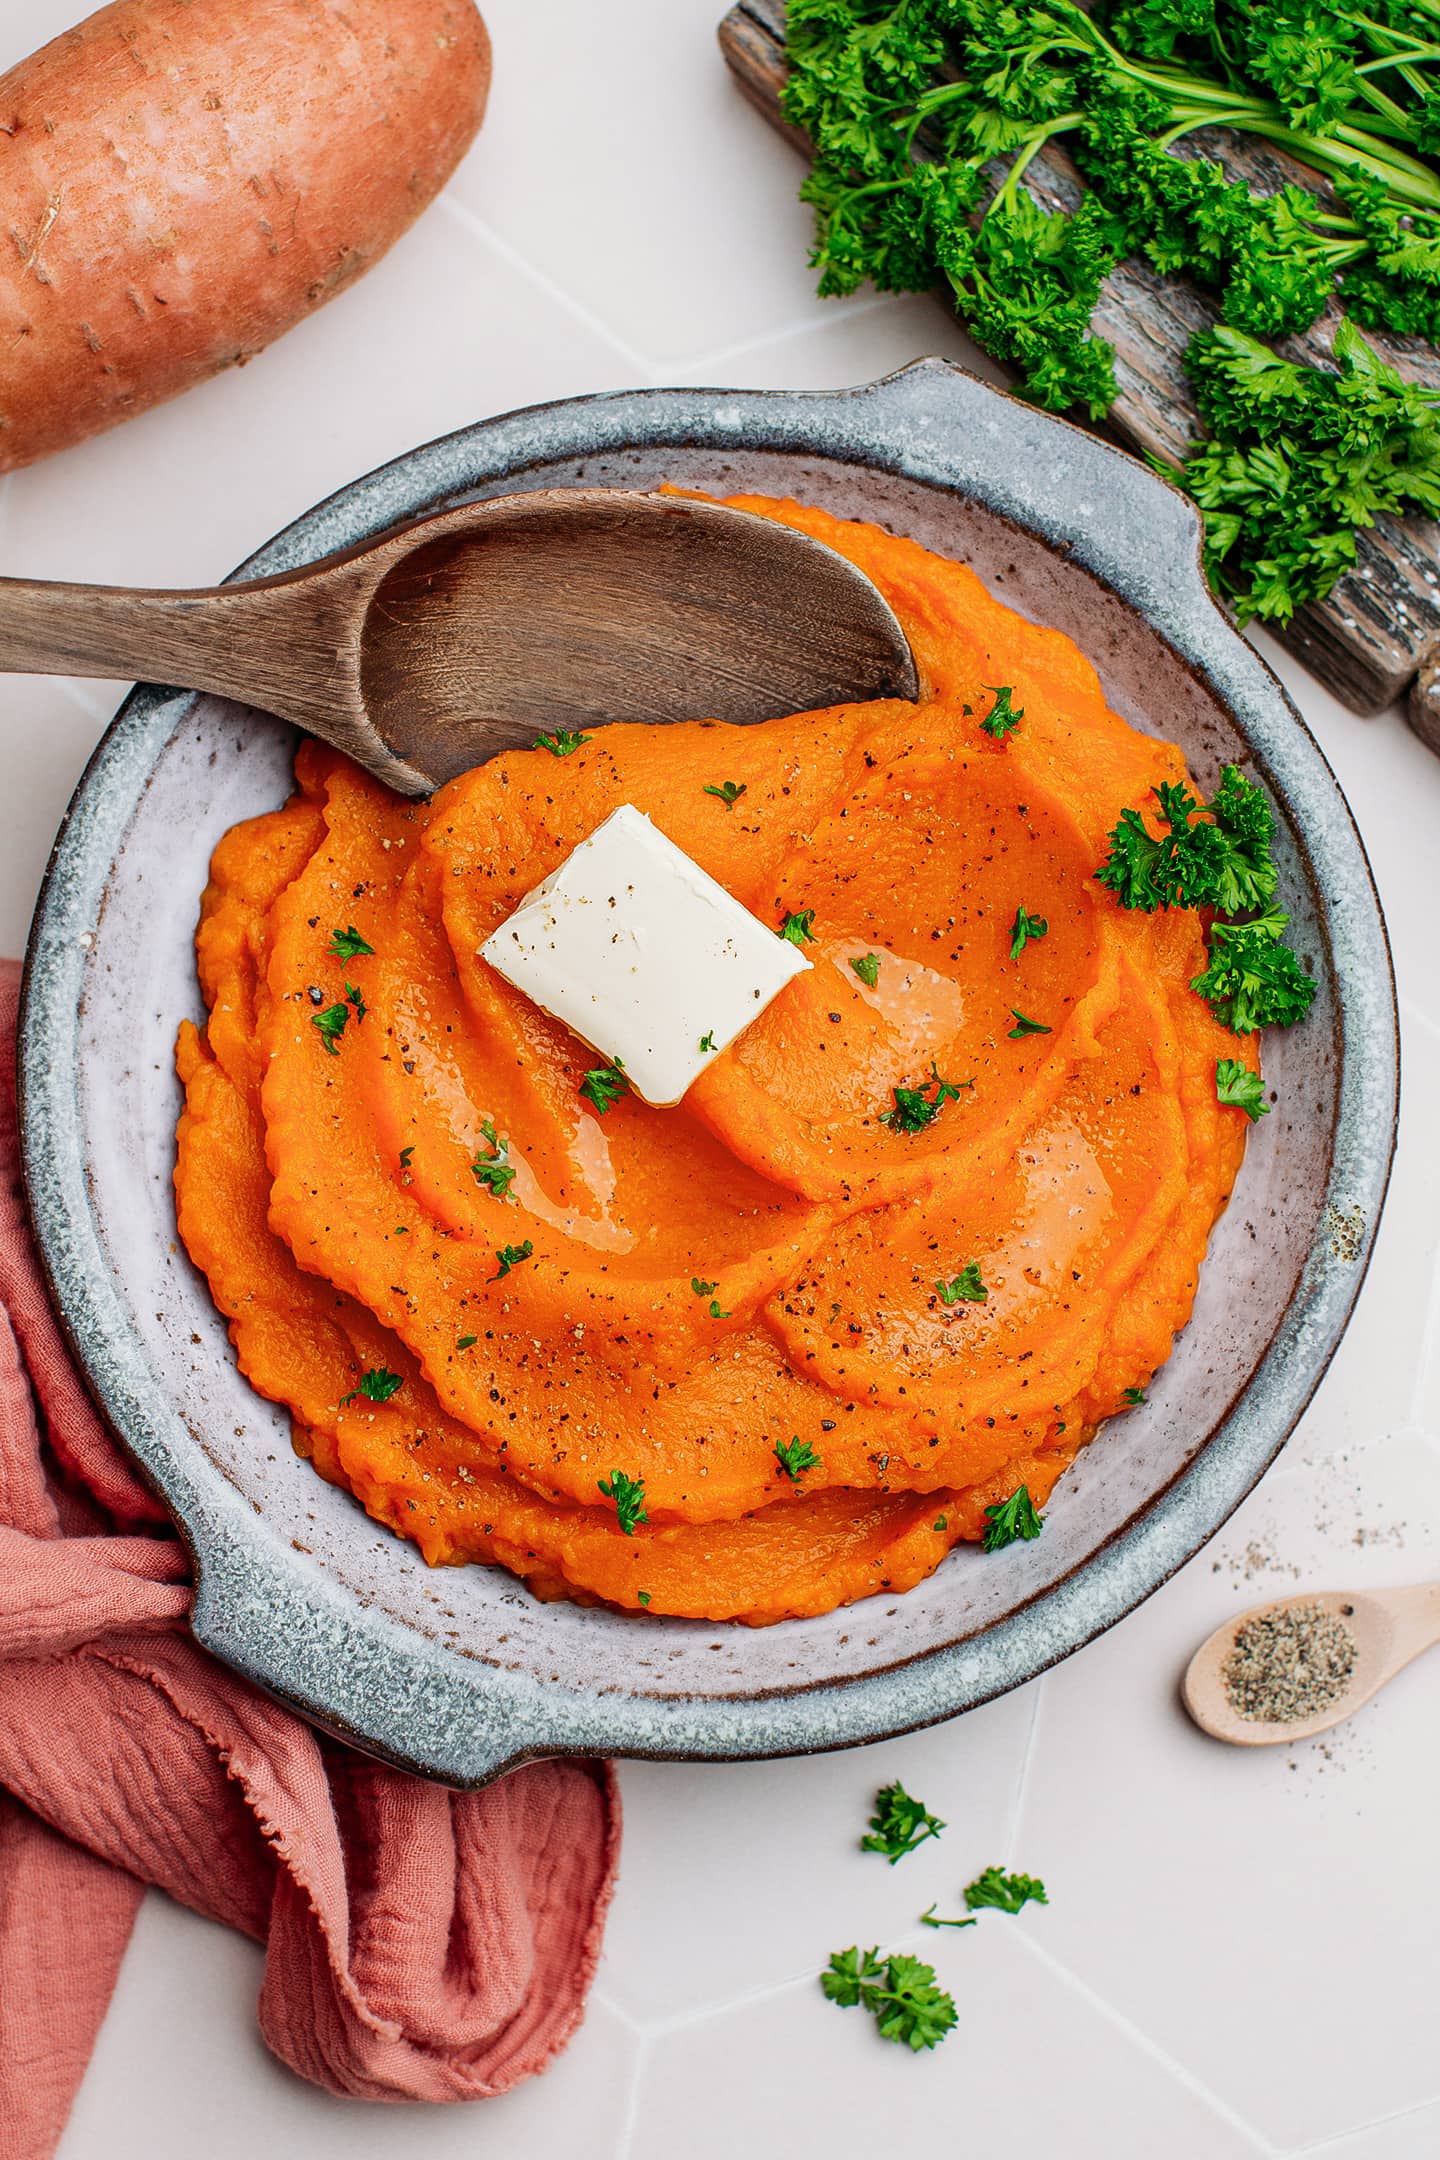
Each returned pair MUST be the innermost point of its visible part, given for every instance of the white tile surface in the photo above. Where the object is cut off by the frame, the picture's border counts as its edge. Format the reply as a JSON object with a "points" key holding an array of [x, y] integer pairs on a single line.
{"points": [[1262, 1917], [758, 1902], [1240, 1954], [1032, 2067]]}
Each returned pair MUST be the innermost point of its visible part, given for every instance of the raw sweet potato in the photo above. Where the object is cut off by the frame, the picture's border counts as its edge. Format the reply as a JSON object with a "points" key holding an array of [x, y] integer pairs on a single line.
{"points": [[181, 180]]}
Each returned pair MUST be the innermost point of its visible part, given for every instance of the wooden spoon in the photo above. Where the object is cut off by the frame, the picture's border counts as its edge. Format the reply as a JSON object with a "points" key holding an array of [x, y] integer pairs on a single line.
{"points": [[1390, 1627], [424, 652]]}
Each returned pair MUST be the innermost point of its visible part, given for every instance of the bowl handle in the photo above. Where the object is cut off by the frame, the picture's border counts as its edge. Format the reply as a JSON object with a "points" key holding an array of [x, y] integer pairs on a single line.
{"points": [[1085, 496]]}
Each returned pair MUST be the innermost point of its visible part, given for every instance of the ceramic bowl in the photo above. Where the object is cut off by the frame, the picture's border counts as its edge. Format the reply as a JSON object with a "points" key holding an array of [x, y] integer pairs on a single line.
{"points": [[460, 1673]]}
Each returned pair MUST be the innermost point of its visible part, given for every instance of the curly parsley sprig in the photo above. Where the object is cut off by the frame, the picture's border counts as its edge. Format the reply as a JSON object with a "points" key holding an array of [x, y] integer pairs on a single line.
{"points": [[628, 1495], [1217, 855], [900, 1992], [493, 1171], [1213, 855], [376, 1385], [1010, 1520], [912, 1109], [603, 1087], [900, 1823], [795, 1457], [1004, 1893]]}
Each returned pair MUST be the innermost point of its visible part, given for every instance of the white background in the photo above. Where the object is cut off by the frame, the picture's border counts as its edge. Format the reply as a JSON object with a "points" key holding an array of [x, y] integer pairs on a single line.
{"points": [[1240, 1953]]}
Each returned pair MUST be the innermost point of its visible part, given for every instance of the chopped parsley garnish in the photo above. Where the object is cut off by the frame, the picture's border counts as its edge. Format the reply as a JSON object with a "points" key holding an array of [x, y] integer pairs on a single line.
{"points": [[928, 1919], [405, 1155], [1025, 1026], [914, 1110], [1002, 716], [644, 1596], [967, 1284], [1222, 861], [900, 1993], [1004, 1893], [376, 1385], [1011, 1519], [798, 929], [707, 1042], [1240, 1088], [510, 1256], [1024, 928], [466, 1342], [867, 967], [941, 1522], [347, 944], [353, 997], [604, 1086], [331, 1024], [1253, 980], [1135, 1396], [899, 1824], [629, 1496], [708, 1289], [729, 792], [562, 742], [494, 1171], [796, 1456]]}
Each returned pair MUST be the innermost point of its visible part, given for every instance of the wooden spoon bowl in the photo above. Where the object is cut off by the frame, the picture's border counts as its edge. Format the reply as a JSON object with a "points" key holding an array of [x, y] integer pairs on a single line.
{"points": [[458, 635], [1389, 1627]]}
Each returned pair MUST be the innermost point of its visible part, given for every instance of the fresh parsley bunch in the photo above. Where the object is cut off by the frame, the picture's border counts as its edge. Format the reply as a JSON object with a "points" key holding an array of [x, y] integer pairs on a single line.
{"points": [[924, 115], [907, 104]]}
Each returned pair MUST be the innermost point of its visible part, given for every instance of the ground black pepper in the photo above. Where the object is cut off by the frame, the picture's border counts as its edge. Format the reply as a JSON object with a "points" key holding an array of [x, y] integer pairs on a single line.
{"points": [[1289, 1664]]}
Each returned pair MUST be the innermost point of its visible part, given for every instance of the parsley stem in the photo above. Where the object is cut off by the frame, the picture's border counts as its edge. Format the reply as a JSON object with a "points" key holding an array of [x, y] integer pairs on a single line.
{"points": [[1006, 192]]}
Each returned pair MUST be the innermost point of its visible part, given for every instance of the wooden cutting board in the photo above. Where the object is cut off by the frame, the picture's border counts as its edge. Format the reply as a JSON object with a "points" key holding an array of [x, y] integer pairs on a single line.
{"points": [[1380, 626]]}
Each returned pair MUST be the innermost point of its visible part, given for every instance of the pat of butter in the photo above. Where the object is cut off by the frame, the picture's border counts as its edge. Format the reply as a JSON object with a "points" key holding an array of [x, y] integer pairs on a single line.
{"points": [[637, 949]]}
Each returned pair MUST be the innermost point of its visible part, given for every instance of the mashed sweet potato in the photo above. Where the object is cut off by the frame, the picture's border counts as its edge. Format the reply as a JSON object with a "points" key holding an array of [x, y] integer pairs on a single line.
{"points": [[325, 1183]]}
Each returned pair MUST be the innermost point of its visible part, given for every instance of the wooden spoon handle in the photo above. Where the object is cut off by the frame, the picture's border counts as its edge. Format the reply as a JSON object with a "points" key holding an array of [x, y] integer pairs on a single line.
{"points": [[272, 642], [1415, 1611]]}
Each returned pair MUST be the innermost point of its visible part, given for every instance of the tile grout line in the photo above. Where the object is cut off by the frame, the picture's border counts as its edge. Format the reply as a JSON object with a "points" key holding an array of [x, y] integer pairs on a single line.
{"points": [[1414, 1017], [913, 1937], [95, 708], [718, 355], [1178, 2071], [1022, 1776], [683, 2020], [543, 282], [607, 2003], [625, 2143], [1343, 2137]]}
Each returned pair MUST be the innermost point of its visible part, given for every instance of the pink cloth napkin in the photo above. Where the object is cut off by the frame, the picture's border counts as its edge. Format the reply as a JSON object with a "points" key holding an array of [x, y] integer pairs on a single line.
{"points": [[419, 1944]]}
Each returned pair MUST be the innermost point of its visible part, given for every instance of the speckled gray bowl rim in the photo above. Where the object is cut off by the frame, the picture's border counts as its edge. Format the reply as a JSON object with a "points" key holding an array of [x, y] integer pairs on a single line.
{"points": [[414, 1701]]}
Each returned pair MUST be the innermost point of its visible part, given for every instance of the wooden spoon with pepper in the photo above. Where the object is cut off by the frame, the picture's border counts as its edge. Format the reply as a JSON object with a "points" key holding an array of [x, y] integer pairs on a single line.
{"points": [[1303, 1660]]}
